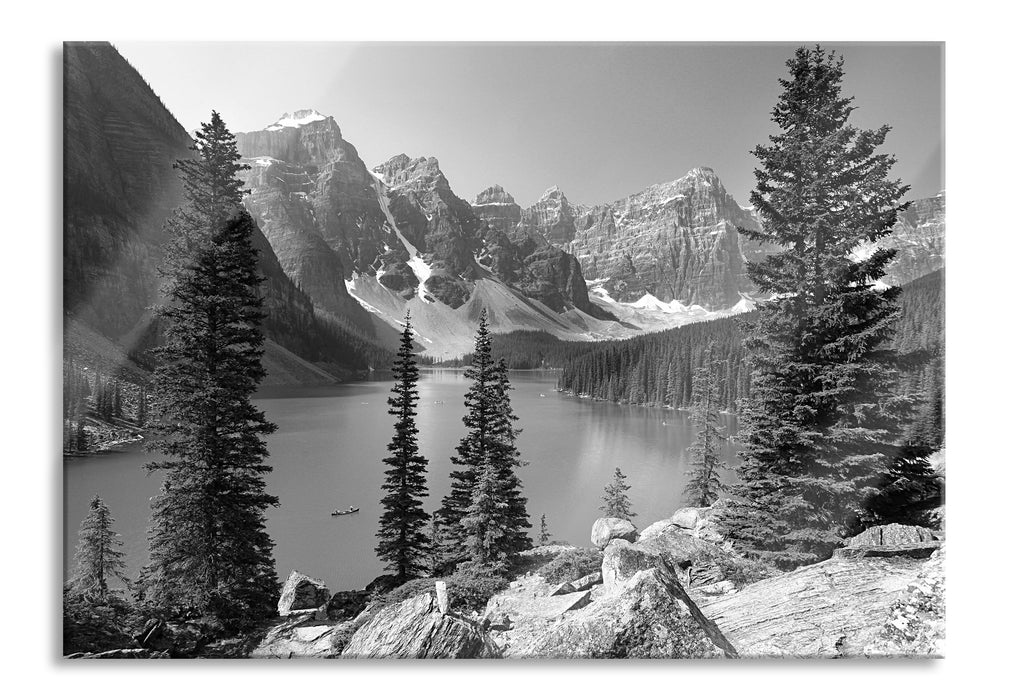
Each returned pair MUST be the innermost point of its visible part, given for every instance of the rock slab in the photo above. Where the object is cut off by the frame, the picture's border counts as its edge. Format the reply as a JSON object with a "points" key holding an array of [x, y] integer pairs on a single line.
{"points": [[416, 629], [301, 593], [829, 609], [648, 616]]}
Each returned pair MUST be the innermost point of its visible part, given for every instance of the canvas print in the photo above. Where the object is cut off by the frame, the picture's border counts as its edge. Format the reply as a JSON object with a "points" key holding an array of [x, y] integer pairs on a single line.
{"points": [[524, 350]]}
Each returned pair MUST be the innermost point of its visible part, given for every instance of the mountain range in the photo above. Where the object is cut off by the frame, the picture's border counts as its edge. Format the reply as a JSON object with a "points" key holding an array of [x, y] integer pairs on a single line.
{"points": [[348, 250], [397, 239]]}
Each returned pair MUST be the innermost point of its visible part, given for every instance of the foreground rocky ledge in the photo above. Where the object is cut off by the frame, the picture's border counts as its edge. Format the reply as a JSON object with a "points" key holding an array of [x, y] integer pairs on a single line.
{"points": [[835, 608], [662, 593], [674, 590]]}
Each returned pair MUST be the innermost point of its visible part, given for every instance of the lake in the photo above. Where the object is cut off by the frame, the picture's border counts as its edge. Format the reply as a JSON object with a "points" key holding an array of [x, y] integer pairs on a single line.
{"points": [[327, 452]]}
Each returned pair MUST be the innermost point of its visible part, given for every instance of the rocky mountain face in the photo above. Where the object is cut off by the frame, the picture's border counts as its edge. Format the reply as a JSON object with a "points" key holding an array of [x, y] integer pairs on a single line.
{"points": [[920, 239], [315, 201], [397, 239], [438, 223], [524, 258], [119, 187], [675, 241]]}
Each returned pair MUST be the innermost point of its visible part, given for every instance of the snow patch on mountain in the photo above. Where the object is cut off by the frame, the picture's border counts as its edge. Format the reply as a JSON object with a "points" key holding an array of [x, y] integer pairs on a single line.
{"points": [[421, 270], [296, 119], [744, 305]]}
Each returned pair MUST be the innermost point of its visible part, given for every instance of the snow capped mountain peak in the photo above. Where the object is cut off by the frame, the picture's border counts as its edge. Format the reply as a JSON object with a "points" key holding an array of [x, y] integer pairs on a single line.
{"points": [[296, 119]]}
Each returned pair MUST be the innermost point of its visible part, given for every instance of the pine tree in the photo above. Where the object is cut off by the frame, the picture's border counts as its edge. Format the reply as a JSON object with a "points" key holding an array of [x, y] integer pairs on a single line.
{"points": [[483, 518], [616, 504], [471, 451], [545, 535], [99, 556], [403, 544], [209, 549], [820, 427], [436, 551], [704, 478], [505, 457], [484, 524]]}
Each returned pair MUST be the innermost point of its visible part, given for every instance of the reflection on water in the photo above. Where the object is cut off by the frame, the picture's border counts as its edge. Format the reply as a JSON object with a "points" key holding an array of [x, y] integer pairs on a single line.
{"points": [[327, 452]]}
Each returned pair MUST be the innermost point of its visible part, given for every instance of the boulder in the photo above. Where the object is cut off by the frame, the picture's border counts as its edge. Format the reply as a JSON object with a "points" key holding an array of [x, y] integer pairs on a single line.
{"points": [[829, 609], [678, 545], [605, 530], [301, 636], [622, 560], [648, 616], [656, 528], [687, 518], [891, 540], [415, 629], [892, 534], [302, 593]]}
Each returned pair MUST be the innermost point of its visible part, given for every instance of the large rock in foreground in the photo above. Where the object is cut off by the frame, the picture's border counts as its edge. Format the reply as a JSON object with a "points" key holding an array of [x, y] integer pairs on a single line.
{"points": [[892, 534], [301, 593], [301, 636], [834, 608], [648, 616], [605, 530], [622, 560], [892, 540], [697, 561], [416, 629]]}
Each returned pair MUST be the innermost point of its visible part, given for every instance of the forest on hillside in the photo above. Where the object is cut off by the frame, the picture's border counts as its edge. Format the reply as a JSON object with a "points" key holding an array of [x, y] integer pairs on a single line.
{"points": [[657, 369]]}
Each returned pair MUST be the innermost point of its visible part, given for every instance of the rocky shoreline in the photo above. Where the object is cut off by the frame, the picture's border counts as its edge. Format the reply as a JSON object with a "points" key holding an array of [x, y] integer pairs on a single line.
{"points": [[674, 589]]}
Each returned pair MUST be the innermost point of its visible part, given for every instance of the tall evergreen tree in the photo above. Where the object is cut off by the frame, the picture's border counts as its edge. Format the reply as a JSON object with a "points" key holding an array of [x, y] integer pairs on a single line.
{"points": [[436, 550], [820, 427], [403, 543], [616, 503], [209, 549], [706, 463], [484, 517], [472, 450], [99, 556], [504, 455], [484, 524]]}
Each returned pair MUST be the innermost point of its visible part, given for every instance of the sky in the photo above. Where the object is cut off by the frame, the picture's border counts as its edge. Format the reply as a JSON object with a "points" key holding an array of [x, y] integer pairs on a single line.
{"points": [[600, 121]]}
